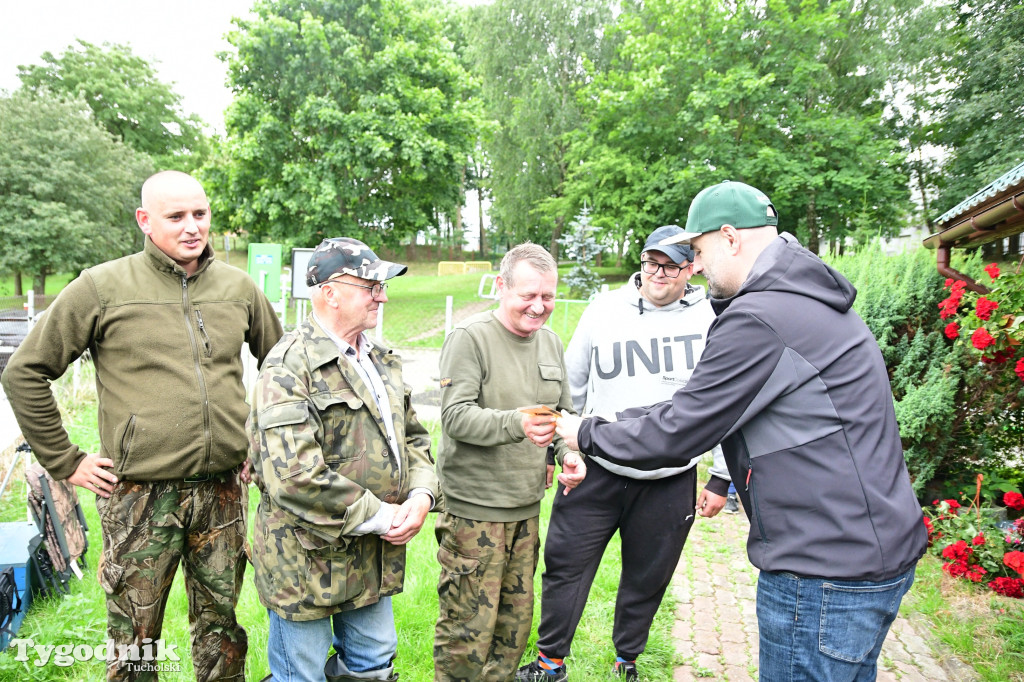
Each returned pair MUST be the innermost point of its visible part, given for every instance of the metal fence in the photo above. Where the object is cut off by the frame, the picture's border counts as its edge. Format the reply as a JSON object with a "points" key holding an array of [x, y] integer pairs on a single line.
{"points": [[17, 314]]}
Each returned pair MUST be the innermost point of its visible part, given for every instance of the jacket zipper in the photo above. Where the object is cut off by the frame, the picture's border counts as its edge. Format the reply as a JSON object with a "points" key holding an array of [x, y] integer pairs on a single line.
{"points": [[203, 396], [753, 500], [202, 331]]}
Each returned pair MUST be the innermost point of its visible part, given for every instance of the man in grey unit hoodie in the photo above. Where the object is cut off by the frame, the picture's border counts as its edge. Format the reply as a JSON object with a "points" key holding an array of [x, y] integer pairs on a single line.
{"points": [[793, 385]]}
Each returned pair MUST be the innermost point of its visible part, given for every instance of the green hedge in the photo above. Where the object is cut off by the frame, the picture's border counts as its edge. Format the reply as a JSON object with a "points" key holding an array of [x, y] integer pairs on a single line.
{"points": [[957, 417]]}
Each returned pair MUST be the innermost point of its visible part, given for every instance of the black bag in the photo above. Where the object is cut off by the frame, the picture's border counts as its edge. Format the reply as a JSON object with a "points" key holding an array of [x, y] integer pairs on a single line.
{"points": [[10, 599]]}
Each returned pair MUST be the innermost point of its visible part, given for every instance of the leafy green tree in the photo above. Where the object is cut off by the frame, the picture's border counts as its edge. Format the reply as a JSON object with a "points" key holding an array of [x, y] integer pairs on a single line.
{"points": [[983, 121], [350, 117], [782, 95], [126, 97], [68, 189], [532, 57]]}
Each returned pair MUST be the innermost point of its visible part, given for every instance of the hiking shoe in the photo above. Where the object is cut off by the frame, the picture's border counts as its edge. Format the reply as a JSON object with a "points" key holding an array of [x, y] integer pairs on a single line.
{"points": [[626, 670], [732, 504], [534, 673]]}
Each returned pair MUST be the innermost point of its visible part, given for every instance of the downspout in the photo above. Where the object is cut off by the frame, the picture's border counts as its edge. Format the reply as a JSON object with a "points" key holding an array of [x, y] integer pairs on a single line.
{"points": [[942, 253]]}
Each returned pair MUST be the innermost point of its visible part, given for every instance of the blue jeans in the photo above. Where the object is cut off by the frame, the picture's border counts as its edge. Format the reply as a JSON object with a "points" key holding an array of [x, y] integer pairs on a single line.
{"points": [[818, 630], [364, 638]]}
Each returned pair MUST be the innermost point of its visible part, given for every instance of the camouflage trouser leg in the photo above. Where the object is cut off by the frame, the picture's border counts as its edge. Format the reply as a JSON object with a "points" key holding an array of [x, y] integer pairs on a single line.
{"points": [[147, 529], [485, 597]]}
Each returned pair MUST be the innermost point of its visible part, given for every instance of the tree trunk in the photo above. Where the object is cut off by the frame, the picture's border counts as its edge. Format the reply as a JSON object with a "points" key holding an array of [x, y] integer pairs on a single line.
{"points": [[622, 250], [480, 221], [457, 228], [18, 291], [39, 284], [1013, 247], [812, 226], [555, 236]]}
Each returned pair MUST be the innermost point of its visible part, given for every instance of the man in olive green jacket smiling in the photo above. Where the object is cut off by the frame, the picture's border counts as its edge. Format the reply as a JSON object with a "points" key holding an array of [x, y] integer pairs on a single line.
{"points": [[165, 328]]}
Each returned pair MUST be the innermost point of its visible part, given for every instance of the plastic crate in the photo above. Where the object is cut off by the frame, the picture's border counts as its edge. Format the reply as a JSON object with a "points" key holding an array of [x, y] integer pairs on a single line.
{"points": [[17, 541]]}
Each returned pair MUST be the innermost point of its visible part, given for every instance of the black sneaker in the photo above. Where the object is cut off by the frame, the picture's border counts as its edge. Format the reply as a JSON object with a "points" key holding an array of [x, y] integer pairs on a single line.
{"points": [[626, 670], [534, 673], [732, 505]]}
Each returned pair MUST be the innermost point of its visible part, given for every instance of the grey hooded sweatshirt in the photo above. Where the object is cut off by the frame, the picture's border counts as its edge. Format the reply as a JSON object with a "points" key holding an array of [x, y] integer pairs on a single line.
{"points": [[793, 385], [627, 352]]}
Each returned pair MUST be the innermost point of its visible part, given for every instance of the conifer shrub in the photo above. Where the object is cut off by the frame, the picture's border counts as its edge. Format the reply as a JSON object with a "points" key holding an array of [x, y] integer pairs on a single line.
{"points": [[957, 417]]}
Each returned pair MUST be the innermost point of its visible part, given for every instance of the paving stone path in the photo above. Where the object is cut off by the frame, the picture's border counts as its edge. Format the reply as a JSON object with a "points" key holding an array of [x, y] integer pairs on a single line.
{"points": [[715, 631]]}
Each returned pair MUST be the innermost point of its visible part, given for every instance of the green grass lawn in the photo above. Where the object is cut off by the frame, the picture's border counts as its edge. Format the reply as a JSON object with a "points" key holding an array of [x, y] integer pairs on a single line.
{"points": [[80, 617]]}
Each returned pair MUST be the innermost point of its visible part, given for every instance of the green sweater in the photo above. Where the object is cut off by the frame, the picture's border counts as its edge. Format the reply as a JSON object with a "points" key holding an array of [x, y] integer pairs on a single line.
{"points": [[489, 470], [167, 350]]}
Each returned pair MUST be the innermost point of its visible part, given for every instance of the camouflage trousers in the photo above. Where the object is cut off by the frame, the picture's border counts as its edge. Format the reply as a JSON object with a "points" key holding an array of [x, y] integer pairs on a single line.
{"points": [[485, 596], [148, 528]]}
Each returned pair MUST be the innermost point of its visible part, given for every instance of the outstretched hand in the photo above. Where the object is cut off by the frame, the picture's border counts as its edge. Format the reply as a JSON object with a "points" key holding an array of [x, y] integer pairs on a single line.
{"points": [[568, 427]]}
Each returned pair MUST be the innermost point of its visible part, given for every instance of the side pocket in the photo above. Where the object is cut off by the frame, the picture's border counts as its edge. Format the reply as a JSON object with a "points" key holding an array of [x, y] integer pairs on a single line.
{"points": [[331, 576], [109, 575], [458, 587], [127, 435]]}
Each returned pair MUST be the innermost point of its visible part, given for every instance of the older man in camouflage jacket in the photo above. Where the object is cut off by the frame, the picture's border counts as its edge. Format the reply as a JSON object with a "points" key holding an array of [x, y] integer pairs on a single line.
{"points": [[345, 475]]}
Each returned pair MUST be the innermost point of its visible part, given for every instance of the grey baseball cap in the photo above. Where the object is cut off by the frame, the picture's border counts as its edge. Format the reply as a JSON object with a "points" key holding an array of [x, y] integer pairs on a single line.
{"points": [[727, 203], [677, 252], [347, 256]]}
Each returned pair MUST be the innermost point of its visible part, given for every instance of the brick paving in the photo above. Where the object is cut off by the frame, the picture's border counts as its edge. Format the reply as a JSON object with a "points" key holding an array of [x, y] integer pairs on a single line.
{"points": [[715, 631]]}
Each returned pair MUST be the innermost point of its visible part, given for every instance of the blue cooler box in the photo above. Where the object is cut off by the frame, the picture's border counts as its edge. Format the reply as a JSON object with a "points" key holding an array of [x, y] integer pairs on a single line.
{"points": [[16, 539]]}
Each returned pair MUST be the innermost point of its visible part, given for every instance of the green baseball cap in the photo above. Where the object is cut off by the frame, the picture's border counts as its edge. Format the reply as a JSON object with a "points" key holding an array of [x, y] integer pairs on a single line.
{"points": [[727, 203]]}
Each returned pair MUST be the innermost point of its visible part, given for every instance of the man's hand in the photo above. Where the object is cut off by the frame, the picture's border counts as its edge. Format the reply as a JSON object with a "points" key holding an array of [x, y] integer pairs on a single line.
{"points": [[408, 519], [540, 429], [709, 504], [573, 471], [92, 474], [550, 476], [245, 473], [568, 428]]}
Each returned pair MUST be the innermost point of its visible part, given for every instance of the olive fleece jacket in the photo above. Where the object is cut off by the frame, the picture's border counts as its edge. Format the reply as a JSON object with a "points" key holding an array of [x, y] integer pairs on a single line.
{"points": [[167, 351]]}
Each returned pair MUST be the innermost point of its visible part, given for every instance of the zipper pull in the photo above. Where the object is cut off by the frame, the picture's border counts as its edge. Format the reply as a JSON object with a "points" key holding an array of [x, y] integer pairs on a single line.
{"points": [[202, 331], [750, 470]]}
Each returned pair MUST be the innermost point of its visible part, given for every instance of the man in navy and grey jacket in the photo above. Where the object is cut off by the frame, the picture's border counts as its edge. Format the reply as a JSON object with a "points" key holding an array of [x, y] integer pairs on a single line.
{"points": [[793, 385]]}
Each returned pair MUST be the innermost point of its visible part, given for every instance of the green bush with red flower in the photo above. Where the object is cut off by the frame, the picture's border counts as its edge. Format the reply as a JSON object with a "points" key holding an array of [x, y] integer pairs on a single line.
{"points": [[974, 547], [993, 323]]}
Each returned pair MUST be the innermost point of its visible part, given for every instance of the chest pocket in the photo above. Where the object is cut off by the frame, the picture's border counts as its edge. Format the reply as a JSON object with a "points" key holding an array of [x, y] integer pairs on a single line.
{"points": [[343, 431], [550, 383]]}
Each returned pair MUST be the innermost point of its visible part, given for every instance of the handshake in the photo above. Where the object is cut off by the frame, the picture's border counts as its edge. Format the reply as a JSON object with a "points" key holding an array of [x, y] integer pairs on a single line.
{"points": [[539, 424]]}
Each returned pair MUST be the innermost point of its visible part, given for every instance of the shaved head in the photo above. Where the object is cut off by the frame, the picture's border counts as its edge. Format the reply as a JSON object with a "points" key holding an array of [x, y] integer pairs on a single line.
{"points": [[164, 182]]}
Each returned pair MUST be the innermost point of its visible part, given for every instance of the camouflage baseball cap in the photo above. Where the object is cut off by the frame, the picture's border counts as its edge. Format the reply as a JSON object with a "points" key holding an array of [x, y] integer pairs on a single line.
{"points": [[346, 256]]}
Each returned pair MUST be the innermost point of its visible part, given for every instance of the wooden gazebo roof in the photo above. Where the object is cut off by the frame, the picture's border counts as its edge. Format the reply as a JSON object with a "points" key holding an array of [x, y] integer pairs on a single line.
{"points": [[994, 212]]}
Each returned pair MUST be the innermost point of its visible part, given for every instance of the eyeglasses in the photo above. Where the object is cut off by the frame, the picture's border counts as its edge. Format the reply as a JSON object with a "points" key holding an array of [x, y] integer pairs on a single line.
{"points": [[376, 289], [671, 271]]}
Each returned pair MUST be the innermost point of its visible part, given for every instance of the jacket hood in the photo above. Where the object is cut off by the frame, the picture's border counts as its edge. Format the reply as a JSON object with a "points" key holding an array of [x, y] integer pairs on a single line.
{"points": [[629, 294], [785, 266]]}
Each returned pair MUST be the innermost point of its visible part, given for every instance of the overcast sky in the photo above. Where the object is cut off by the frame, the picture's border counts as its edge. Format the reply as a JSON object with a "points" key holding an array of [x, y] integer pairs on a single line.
{"points": [[179, 37]]}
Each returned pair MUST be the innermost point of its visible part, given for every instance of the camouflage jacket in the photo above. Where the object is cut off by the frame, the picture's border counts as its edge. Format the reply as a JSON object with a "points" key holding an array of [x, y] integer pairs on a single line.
{"points": [[324, 465]]}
